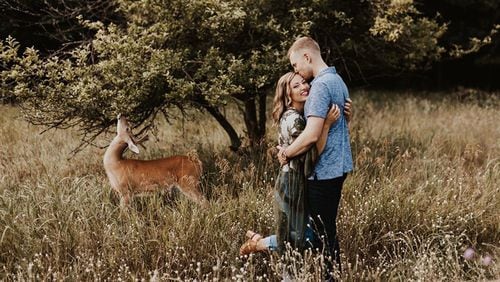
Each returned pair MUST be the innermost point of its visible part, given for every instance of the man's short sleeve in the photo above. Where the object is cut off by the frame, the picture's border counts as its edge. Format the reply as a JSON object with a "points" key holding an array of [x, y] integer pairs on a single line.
{"points": [[318, 101]]}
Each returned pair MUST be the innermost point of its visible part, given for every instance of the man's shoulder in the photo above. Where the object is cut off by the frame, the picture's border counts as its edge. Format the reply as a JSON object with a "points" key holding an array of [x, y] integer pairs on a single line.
{"points": [[329, 78], [327, 81], [327, 73]]}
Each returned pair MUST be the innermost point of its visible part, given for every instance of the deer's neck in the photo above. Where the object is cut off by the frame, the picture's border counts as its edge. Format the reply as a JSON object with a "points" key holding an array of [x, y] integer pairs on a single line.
{"points": [[114, 152]]}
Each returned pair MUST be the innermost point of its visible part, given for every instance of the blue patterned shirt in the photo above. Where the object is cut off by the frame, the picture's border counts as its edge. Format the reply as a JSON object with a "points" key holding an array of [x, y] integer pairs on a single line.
{"points": [[328, 88]]}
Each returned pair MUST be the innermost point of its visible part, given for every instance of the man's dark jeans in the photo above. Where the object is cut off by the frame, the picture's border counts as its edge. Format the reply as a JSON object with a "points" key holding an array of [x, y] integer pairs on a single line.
{"points": [[323, 202]]}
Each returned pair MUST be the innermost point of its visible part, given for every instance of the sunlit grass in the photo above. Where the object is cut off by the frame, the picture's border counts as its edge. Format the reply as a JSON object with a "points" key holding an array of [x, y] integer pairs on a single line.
{"points": [[426, 188]]}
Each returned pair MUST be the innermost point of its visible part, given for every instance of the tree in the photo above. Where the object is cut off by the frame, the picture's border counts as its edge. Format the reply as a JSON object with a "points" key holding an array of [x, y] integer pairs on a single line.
{"points": [[465, 19], [52, 24], [206, 54], [473, 40], [160, 60]]}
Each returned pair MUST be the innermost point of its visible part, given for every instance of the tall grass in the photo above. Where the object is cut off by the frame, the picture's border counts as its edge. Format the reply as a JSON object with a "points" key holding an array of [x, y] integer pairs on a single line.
{"points": [[426, 187]]}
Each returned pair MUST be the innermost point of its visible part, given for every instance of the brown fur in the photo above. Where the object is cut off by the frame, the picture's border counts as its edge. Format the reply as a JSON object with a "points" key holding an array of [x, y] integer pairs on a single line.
{"points": [[129, 177]]}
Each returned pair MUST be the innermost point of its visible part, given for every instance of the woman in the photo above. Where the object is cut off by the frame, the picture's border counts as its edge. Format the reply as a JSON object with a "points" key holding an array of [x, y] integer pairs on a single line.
{"points": [[292, 217]]}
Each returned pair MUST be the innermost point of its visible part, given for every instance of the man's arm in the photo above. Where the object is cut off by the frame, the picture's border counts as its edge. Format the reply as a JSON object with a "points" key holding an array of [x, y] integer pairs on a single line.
{"points": [[305, 140]]}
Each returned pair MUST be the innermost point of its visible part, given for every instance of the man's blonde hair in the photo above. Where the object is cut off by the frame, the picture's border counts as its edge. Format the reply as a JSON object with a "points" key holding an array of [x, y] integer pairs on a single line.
{"points": [[304, 43]]}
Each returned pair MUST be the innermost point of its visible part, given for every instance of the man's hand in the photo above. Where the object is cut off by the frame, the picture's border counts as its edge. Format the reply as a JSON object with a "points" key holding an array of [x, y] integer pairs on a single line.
{"points": [[282, 156], [348, 109]]}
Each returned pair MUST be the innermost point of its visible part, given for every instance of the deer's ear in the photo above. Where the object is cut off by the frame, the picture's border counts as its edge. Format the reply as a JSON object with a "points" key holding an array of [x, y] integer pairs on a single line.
{"points": [[133, 147], [118, 119]]}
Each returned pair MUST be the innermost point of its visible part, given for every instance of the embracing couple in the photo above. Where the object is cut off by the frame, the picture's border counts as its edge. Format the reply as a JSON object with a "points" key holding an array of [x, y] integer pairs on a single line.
{"points": [[314, 153]]}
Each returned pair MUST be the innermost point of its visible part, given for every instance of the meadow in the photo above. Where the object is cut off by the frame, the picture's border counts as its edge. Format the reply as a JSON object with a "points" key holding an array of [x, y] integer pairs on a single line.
{"points": [[426, 188]]}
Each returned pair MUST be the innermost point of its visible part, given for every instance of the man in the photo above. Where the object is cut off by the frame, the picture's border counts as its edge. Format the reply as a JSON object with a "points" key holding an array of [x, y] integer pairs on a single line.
{"points": [[325, 185]]}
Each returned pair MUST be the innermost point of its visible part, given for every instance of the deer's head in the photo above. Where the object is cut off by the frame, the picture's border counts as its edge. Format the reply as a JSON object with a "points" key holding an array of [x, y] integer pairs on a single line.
{"points": [[124, 132]]}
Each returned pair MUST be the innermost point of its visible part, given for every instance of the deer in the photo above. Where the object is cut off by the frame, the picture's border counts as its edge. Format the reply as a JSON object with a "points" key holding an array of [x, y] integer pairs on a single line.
{"points": [[129, 177]]}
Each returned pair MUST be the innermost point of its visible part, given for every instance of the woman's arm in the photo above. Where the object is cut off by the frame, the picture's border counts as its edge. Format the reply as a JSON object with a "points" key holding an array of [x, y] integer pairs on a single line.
{"points": [[333, 115], [348, 110]]}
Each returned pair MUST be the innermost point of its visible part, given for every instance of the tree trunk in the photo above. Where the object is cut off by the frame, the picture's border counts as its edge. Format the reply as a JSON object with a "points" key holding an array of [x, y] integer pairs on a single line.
{"points": [[255, 119], [250, 118], [221, 119], [262, 115]]}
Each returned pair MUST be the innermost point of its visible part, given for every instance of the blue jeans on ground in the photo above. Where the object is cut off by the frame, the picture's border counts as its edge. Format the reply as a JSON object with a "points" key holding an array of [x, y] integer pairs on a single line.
{"points": [[271, 242]]}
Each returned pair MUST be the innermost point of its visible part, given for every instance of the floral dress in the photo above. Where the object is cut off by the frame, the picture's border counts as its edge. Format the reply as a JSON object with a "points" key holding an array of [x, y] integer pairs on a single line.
{"points": [[290, 187]]}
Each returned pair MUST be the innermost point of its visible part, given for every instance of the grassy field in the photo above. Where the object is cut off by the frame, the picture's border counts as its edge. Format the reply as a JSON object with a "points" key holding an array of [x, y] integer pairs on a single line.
{"points": [[426, 188]]}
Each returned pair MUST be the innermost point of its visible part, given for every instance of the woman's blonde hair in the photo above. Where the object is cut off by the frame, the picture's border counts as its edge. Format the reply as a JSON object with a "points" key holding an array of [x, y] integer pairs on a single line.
{"points": [[282, 98]]}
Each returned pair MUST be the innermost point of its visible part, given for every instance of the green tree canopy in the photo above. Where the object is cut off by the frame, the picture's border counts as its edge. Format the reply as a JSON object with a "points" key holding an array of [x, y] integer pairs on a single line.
{"points": [[205, 54]]}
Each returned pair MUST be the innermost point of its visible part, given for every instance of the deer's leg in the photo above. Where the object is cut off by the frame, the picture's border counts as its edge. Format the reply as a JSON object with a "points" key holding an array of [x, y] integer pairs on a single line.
{"points": [[190, 187], [124, 200]]}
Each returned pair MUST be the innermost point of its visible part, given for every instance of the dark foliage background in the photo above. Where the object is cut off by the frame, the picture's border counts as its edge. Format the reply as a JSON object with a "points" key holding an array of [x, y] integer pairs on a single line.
{"points": [[79, 63]]}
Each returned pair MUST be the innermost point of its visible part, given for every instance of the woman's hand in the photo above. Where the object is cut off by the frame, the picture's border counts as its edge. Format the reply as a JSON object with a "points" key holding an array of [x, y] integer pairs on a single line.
{"points": [[282, 158], [348, 109], [332, 116]]}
